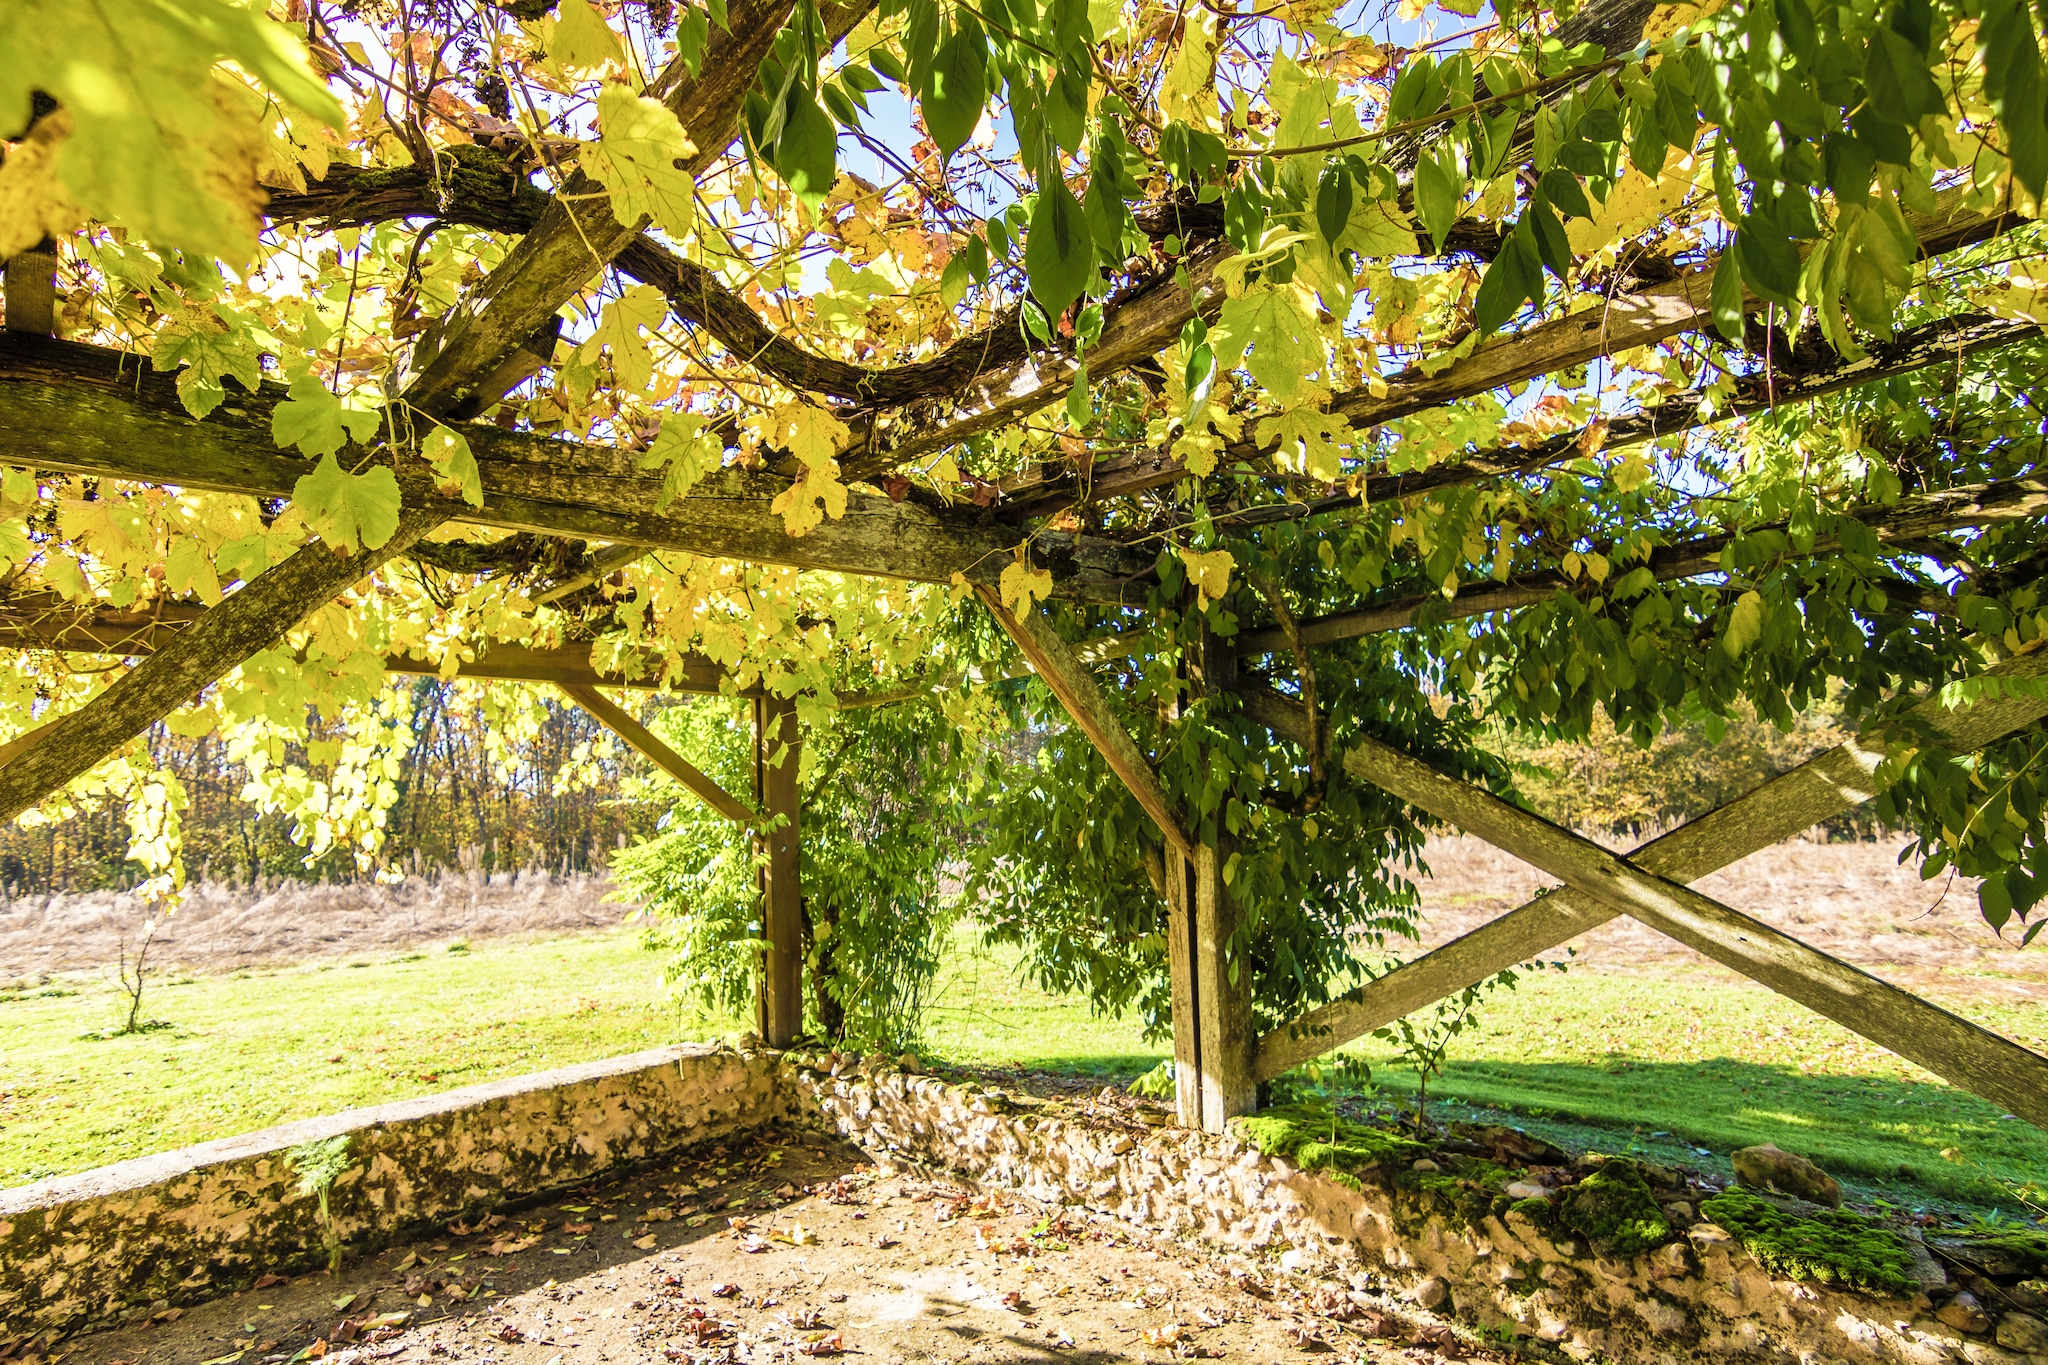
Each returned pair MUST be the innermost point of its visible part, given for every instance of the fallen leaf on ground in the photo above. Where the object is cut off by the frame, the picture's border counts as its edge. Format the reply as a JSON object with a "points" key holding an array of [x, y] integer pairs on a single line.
{"points": [[266, 1280], [724, 1291], [645, 1243], [830, 1345]]}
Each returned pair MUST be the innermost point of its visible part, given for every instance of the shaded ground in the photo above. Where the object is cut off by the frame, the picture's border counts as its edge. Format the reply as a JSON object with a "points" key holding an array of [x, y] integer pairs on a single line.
{"points": [[779, 1249]]}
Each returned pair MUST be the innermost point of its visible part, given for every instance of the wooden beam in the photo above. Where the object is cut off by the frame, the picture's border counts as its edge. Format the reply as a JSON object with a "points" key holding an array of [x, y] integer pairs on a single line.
{"points": [[1185, 984], [1819, 789], [779, 992], [31, 290], [86, 410], [649, 745], [1055, 661], [1959, 1051], [245, 623]]}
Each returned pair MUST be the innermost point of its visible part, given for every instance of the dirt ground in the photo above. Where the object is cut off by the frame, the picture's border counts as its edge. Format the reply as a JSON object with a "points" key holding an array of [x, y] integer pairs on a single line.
{"points": [[780, 1248], [222, 928], [1852, 900]]}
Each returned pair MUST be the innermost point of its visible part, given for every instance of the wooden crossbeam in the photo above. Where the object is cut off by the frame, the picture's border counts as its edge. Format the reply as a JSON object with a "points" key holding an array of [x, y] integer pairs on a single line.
{"points": [[621, 722], [250, 620], [1952, 1047], [86, 410], [1819, 789], [1060, 666]]}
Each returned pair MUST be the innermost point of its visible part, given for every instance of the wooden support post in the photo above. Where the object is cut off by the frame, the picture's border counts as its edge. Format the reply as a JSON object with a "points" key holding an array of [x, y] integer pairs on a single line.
{"points": [[1952, 1047], [1222, 983], [248, 621], [779, 997], [1820, 788], [31, 290], [1181, 954], [620, 722]]}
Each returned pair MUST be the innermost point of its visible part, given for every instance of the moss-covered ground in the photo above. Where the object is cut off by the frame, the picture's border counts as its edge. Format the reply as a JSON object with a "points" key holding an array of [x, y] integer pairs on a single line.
{"points": [[1658, 1067]]}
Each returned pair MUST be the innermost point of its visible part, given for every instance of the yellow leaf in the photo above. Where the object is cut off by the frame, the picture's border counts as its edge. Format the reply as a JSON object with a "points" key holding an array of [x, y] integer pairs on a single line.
{"points": [[619, 329], [808, 432], [1022, 585], [1209, 571], [581, 39], [816, 494], [1311, 442], [636, 160], [188, 569]]}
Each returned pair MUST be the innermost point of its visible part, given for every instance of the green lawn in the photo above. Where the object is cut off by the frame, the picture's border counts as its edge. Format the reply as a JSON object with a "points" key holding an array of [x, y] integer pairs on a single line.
{"points": [[1666, 1064]]}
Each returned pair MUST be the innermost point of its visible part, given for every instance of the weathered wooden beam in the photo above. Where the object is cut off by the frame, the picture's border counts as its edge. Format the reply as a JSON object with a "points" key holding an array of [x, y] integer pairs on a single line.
{"points": [[1056, 662], [649, 745], [779, 993], [82, 409], [248, 621], [1959, 1051], [1819, 789], [30, 290]]}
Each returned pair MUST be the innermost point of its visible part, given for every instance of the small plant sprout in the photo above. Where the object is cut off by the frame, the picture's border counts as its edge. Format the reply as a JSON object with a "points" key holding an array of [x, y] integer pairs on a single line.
{"points": [[319, 1165]]}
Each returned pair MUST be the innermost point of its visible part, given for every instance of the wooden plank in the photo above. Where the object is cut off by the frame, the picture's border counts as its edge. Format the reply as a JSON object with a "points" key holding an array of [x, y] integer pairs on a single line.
{"points": [[1959, 1051], [250, 620], [621, 722], [779, 991], [1824, 786], [86, 410], [1056, 662], [1186, 988], [31, 290]]}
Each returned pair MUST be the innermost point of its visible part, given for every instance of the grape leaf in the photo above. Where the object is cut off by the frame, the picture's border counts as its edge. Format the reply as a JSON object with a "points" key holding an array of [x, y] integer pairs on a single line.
{"points": [[1020, 585], [1209, 571], [1278, 326], [157, 140], [317, 422], [209, 350], [685, 451], [346, 509], [447, 450], [581, 39], [813, 435], [636, 160]]}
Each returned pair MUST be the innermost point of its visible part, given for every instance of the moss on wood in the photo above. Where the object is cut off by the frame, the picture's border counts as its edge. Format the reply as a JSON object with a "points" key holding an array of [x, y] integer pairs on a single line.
{"points": [[1831, 1247]]}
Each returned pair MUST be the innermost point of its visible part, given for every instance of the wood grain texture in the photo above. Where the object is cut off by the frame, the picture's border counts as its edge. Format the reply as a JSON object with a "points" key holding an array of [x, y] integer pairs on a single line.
{"points": [[650, 746], [245, 623], [1959, 1051], [779, 991], [81, 409], [1822, 787]]}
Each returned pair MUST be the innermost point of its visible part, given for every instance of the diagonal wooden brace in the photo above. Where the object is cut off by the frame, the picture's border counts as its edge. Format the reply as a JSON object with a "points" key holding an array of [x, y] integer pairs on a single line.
{"points": [[1060, 666], [620, 722], [1822, 787], [244, 624], [1959, 1051]]}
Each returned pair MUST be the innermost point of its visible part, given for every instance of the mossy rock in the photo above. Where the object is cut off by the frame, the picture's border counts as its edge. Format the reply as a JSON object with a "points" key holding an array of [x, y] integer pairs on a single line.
{"points": [[1615, 1210], [2002, 1253], [1828, 1247], [1315, 1139]]}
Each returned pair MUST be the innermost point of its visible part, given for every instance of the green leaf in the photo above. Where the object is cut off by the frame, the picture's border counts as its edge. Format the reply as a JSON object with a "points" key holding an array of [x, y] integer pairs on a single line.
{"points": [[1725, 299], [1333, 201], [959, 85], [1278, 325], [1437, 190], [807, 153], [2012, 82], [1552, 248], [447, 450], [1059, 253], [1066, 107], [210, 350], [347, 510], [636, 160], [685, 451], [1896, 75], [156, 140], [316, 421], [1745, 623], [1515, 275], [1563, 190], [1769, 259]]}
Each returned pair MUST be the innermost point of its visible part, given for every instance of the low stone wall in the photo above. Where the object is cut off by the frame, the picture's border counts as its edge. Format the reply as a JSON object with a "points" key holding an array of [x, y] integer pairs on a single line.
{"points": [[1699, 1298], [186, 1225]]}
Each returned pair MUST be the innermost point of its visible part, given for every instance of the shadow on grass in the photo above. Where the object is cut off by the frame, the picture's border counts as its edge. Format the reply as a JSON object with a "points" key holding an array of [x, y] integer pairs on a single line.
{"points": [[1882, 1130]]}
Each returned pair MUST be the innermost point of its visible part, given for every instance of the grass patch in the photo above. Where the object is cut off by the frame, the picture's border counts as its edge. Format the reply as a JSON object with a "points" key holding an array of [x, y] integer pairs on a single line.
{"points": [[1831, 1247]]}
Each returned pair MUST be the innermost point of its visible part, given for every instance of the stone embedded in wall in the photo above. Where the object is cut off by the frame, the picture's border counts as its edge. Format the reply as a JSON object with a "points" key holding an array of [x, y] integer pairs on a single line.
{"points": [[185, 1225]]}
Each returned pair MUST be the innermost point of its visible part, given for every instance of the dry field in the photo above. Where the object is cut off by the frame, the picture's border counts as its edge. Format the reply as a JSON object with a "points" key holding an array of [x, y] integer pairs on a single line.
{"points": [[221, 928], [1852, 900]]}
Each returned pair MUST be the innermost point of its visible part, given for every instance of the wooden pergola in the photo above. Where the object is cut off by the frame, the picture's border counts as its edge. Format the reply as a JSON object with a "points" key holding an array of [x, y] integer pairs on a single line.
{"points": [[78, 409]]}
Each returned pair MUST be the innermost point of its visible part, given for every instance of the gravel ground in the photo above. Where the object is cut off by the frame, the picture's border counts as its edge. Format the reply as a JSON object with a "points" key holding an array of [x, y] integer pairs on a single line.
{"points": [[784, 1249]]}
